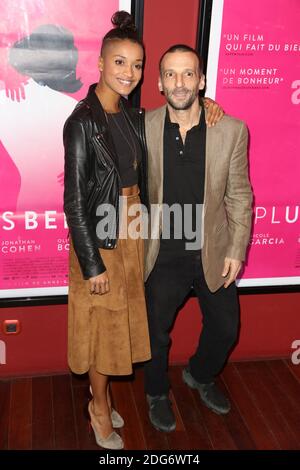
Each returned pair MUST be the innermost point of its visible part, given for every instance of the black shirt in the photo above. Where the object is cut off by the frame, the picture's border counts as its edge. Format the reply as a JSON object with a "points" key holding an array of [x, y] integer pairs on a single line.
{"points": [[184, 173], [127, 147]]}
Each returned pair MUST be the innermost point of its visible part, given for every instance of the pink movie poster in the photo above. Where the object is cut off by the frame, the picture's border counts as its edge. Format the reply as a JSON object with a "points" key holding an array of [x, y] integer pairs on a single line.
{"points": [[48, 58], [254, 73]]}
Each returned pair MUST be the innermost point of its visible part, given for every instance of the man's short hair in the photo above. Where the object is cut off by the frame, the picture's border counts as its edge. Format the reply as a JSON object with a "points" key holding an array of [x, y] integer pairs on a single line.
{"points": [[182, 48]]}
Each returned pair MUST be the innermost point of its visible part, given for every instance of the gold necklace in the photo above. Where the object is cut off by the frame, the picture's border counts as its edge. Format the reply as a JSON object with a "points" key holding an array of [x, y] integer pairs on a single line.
{"points": [[131, 145]]}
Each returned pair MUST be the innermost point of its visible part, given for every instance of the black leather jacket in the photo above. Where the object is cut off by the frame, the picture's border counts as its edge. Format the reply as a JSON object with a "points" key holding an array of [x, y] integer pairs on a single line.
{"points": [[92, 178]]}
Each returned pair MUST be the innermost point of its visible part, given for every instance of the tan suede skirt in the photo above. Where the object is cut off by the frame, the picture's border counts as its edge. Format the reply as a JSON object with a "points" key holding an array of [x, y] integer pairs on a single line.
{"points": [[110, 331]]}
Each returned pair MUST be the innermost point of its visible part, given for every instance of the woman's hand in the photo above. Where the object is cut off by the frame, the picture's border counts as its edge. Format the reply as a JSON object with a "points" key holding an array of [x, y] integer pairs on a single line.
{"points": [[99, 284], [214, 112]]}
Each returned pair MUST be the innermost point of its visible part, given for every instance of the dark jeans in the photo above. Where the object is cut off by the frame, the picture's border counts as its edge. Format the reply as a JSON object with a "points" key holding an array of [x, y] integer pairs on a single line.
{"points": [[166, 289]]}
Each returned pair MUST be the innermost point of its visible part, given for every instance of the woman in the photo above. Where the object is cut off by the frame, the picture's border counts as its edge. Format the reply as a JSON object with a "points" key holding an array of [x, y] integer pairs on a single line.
{"points": [[104, 159]]}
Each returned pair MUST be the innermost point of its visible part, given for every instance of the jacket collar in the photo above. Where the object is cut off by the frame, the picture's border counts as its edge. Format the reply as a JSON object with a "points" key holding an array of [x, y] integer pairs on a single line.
{"points": [[96, 108], [100, 121]]}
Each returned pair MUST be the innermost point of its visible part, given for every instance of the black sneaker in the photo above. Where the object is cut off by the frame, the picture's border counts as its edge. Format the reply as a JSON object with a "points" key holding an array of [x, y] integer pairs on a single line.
{"points": [[160, 413], [210, 394]]}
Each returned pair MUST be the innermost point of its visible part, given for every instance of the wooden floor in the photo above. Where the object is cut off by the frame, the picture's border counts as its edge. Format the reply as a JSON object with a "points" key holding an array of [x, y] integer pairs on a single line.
{"points": [[51, 412]]}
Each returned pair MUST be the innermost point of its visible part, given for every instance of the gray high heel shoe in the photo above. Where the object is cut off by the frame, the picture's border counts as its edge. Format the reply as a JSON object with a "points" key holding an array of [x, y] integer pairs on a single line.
{"points": [[112, 442], [116, 418]]}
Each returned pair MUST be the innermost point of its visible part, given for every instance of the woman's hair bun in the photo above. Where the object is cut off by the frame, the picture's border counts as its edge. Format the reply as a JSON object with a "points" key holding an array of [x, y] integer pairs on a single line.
{"points": [[123, 20], [124, 28]]}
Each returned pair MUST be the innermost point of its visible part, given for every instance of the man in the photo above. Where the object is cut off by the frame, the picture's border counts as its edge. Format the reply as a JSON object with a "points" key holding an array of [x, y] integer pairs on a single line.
{"points": [[195, 165]]}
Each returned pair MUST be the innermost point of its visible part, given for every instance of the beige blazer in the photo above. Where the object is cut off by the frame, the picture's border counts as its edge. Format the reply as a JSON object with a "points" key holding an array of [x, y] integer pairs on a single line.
{"points": [[227, 194]]}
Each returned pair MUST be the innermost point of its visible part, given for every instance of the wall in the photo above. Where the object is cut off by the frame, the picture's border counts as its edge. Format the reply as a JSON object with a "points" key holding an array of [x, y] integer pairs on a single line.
{"points": [[41, 345], [165, 23], [269, 323]]}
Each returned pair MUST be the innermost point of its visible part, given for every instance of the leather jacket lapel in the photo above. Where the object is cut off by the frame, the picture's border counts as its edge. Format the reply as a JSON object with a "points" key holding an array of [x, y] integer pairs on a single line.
{"points": [[102, 132]]}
